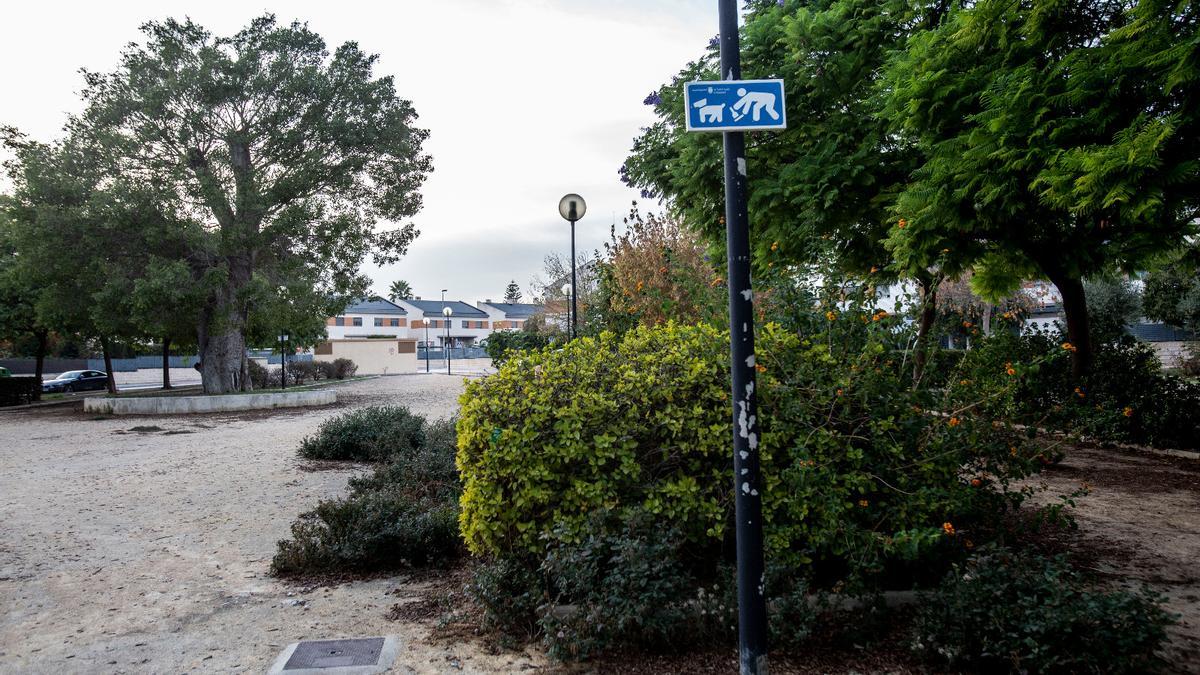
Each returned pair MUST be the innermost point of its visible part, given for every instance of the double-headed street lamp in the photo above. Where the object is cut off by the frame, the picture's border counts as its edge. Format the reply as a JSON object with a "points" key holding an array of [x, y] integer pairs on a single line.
{"points": [[572, 207]]}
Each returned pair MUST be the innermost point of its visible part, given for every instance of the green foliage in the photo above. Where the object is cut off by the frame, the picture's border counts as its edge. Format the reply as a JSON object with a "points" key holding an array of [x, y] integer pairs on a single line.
{"points": [[858, 477], [400, 290], [1112, 304], [503, 345], [1013, 613], [1172, 294], [260, 377], [512, 292], [1126, 397], [371, 434], [403, 514]]}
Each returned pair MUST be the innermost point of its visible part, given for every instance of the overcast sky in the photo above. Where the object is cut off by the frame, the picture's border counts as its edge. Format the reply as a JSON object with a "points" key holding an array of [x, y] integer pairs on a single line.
{"points": [[525, 100]]}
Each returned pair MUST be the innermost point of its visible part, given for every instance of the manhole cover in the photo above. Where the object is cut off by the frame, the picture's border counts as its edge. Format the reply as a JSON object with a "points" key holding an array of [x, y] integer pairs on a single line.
{"points": [[335, 654]]}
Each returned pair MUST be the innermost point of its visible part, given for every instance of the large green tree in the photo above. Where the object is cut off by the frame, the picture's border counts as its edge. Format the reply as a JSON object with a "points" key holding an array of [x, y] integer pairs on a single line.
{"points": [[824, 187], [287, 155], [1060, 140]]}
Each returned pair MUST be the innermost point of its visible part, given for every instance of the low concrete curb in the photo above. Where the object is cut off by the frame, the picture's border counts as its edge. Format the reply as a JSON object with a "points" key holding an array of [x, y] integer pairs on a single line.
{"points": [[178, 405]]}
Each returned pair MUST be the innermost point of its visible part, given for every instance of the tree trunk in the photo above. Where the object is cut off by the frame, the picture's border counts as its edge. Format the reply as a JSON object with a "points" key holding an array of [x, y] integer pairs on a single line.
{"points": [[987, 319], [1078, 325], [222, 338], [928, 286], [166, 362], [112, 383], [43, 341]]}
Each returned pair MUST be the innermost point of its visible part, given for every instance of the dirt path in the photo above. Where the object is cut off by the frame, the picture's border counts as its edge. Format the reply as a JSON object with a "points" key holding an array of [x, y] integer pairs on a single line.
{"points": [[1141, 523], [148, 551]]}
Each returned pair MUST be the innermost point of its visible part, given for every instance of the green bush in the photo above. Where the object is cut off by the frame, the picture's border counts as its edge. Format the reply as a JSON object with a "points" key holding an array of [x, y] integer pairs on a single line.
{"points": [[1126, 397], [299, 372], [371, 434], [260, 377], [859, 477], [1014, 613], [343, 368], [404, 514], [625, 584], [503, 345], [376, 530], [325, 370]]}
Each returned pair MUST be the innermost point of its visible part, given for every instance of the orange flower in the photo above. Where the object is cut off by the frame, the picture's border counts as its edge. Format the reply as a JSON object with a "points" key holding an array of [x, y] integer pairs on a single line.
{"points": [[945, 250], [902, 224], [640, 285], [839, 392], [863, 503], [775, 246], [1009, 369], [948, 528], [662, 270], [831, 315], [760, 367], [1079, 393], [874, 269], [1128, 412], [1069, 347], [1013, 451], [964, 382], [953, 422], [715, 282], [975, 482], [967, 324]]}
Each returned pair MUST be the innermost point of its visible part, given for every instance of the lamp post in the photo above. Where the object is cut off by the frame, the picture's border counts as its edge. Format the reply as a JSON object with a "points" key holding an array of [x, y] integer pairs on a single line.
{"points": [[572, 207], [447, 312], [566, 289], [426, 322], [283, 338]]}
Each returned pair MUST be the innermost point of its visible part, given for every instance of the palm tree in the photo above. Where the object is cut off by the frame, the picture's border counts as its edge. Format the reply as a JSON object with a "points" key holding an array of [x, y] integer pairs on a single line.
{"points": [[400, 290]]}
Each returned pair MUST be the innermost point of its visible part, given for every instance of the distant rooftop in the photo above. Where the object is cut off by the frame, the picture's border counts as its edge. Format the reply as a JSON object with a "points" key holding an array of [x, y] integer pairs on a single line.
{"points": [[433, 308], [516, 310], [376, 305]]}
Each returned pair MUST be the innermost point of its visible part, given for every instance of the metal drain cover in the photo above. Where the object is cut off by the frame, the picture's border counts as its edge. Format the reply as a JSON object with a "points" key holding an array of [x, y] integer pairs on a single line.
{"points": [[357, 656]]}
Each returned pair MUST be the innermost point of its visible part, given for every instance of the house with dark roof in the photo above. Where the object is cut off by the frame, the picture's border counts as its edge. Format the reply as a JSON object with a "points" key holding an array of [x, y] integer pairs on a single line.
{"points": [[509, 315], [465, 326], [369, 317]]}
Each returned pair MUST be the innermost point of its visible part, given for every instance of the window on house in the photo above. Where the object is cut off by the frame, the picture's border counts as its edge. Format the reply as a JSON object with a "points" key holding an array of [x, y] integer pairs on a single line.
{"points": [[358, 321], [378, 321], [339, 321], [394, 323]]}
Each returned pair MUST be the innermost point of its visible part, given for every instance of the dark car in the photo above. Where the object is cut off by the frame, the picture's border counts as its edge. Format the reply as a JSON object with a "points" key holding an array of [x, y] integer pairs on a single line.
{"points": [[76, 380]]}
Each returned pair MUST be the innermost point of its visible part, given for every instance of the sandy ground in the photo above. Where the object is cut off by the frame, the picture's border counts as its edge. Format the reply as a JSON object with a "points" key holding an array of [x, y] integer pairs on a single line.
{"points": [[128, 551], [1140, 524]]}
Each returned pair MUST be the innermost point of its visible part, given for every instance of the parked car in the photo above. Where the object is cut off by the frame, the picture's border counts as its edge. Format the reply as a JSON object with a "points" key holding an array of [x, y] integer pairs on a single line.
{"points": [[76, 380]]}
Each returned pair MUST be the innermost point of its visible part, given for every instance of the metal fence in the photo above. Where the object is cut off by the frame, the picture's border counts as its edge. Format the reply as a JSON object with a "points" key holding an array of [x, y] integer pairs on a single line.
{"points": [[456, 353]]}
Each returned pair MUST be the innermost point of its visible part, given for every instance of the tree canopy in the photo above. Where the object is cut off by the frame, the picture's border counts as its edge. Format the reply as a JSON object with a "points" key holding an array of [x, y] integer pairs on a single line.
{"points": [[287, 157]]}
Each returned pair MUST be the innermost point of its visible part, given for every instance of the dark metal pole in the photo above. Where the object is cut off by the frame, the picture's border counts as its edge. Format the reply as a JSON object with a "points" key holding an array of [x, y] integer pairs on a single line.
{"points": [[574, 288], [282, 363], [447, 320], [752, 606], [426, 345]]}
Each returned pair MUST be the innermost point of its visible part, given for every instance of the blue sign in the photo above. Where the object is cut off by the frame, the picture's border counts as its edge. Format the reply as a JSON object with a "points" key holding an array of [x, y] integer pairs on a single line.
{"points": [[735, 105]]}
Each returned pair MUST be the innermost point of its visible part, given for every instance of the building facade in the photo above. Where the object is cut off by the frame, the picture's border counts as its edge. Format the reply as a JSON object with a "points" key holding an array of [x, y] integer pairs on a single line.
{"points": [[373, 317]]}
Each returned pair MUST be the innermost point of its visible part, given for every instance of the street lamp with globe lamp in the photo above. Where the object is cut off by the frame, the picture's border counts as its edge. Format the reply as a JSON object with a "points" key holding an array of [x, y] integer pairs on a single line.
{"points": [[447, 312], [572, 207]]}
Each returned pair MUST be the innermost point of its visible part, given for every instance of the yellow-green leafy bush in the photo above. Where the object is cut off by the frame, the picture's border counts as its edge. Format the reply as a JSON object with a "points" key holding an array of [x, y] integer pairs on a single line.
{"points": [[859, 469]]}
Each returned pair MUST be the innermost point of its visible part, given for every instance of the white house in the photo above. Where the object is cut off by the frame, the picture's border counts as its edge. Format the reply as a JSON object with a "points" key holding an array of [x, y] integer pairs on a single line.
{"points": [[508, 315], [466, 326], [373, 317]]}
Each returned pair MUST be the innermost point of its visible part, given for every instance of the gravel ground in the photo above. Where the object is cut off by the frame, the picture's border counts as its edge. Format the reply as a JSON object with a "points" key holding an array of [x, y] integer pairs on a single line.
{"points": [[148, 551]]}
